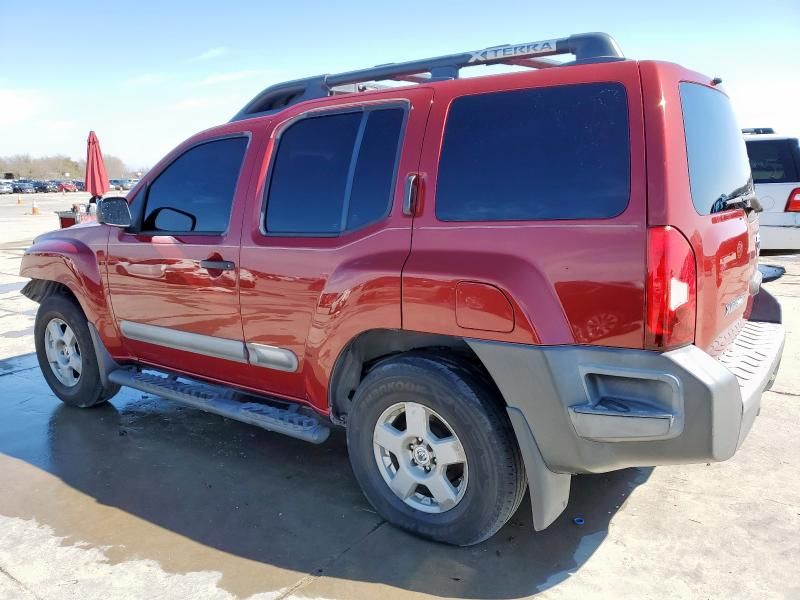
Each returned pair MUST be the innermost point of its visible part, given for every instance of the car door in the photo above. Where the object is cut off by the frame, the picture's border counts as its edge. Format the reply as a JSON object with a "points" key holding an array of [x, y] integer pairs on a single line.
{"points": [[324, 247], [173, 277]]}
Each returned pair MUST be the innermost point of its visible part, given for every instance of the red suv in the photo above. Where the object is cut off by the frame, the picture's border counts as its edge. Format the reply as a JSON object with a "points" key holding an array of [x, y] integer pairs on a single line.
{"points": [[493, 283]]}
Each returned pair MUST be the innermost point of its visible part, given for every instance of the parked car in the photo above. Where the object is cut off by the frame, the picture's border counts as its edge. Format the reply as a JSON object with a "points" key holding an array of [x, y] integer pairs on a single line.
{"points": [[6, 188], [66, 186], [422, 265], [23, 187], [775, 162], [45, 186], [119, 184], [79, 185]]}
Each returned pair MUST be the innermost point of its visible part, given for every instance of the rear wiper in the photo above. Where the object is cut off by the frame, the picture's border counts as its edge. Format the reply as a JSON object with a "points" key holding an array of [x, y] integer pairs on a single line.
{"points": [[746, 201]]}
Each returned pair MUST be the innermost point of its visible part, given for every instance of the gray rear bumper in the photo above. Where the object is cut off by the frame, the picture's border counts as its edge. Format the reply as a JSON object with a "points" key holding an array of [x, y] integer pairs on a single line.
{"points": [[586, 409]]}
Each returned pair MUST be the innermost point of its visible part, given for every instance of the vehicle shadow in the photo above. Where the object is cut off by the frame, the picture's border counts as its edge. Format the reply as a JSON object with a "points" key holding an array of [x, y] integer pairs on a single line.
{"points": [[267, 498]]}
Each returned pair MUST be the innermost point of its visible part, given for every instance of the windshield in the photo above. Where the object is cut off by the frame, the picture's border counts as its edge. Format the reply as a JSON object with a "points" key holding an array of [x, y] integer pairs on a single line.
{"points": [[719, 170]]}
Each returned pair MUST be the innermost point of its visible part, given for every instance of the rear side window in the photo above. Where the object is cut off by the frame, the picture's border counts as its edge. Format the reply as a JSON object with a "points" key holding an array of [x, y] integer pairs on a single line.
{"points": [[334, 173], [373, 180], [773, 161], [718, 165], [536, 154], [194, 194]]}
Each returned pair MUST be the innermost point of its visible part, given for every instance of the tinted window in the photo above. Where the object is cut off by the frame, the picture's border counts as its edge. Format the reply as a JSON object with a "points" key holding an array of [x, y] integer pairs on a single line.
{"points": [[718, 165], [371, 193], [310, 174], [334, 172], [548, 153], [773, 161], [195, 193]]}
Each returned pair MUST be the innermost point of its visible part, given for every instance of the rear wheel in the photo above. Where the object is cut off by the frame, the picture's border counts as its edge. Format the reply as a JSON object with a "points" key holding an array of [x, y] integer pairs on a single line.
{"points": [[433, 450], [66, 354]]}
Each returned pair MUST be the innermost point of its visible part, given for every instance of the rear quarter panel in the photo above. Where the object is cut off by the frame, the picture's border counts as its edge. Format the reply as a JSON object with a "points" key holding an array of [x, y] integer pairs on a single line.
{"points": [[568, 281], [723, 243]]}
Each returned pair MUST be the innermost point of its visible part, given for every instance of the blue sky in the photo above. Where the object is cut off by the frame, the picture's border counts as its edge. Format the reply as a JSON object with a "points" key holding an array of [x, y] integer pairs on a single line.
{"points": [[147, 75]]}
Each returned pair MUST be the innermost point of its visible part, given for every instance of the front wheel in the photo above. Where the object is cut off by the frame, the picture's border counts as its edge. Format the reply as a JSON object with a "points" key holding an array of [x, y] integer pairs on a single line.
{"points": [[66, 354], [434, 451]]}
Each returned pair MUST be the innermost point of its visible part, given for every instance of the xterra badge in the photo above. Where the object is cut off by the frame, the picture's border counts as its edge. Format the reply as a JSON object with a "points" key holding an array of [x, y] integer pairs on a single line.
{"points": [[520, 50]]}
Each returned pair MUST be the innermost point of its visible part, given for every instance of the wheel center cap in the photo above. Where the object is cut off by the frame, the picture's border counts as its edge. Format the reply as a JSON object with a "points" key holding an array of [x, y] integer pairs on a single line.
{"points": [[422, 456]]}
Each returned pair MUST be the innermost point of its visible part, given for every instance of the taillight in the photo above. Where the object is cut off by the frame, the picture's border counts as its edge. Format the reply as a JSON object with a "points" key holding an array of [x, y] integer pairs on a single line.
{"points": [[671, 289], [793, 203]]}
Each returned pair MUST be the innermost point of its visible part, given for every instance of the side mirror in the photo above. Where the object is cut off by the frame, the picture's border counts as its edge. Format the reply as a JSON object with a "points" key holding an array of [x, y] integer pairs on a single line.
{"points": [[166, 218], [114, 211]]}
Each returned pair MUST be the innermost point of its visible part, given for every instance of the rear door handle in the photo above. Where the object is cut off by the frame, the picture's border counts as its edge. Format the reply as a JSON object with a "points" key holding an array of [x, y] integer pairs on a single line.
{"points": [[410, 193], [218, 265]]}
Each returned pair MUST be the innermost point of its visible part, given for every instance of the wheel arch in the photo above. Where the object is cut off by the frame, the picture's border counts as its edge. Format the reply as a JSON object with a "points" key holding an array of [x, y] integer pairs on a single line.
{"points": [[40, 289], [549, 490], [70, 263], [370, 347], [71, 267]]}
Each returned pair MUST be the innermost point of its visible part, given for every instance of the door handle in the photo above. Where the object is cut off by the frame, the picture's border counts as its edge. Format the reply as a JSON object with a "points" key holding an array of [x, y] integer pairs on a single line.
{"points": [[410, 194], [218, 265]]}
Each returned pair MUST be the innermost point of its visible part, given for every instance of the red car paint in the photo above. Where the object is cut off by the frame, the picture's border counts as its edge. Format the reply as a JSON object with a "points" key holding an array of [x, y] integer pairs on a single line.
{"points": [[548, 282], [724, 268], [66, 186]]}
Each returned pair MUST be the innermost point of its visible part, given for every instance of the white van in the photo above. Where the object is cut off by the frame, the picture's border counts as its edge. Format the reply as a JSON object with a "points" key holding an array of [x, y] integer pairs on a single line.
{"points": [[775, 163]]}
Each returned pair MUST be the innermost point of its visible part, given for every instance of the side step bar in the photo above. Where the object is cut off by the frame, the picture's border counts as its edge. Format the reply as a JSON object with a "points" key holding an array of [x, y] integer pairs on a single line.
{"points": [[220, 401]]}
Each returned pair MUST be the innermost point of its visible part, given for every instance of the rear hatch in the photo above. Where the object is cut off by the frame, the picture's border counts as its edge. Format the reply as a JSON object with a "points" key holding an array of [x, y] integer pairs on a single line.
{"points": [[726, 236], [700, 192]]}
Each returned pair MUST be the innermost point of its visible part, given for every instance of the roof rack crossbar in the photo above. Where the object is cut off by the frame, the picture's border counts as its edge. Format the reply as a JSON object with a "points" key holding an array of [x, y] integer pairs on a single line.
{"points": [[586, 47]]}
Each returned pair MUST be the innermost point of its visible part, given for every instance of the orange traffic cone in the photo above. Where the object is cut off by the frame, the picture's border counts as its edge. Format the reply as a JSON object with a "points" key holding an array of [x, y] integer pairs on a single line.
{"points": [[34, 208]]}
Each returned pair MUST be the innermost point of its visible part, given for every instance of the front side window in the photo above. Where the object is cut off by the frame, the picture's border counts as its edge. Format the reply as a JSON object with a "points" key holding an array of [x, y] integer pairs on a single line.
{"points": [[195, 193], [559, 152], [334, 173], [718, 167]]}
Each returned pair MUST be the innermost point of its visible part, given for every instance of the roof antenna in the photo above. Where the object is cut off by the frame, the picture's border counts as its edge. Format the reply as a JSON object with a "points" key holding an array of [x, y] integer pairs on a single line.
{"points": [[716, 81]]}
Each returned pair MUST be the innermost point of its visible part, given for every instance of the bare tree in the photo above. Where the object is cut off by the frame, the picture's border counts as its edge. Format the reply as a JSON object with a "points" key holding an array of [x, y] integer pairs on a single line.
{"points": [[23, 166]]}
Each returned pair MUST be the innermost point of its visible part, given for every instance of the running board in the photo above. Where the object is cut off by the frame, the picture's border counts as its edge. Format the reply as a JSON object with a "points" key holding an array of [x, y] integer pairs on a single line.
{"points": [[221, 401]]}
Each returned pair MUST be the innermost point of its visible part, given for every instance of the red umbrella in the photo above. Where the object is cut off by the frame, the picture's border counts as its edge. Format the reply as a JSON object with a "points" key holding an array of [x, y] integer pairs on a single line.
{"points": [[96, 175]]}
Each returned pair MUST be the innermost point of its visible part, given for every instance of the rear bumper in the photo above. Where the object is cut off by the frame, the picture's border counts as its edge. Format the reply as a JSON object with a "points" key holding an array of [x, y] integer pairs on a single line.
{"points": [[591, 409], [780, 237]]}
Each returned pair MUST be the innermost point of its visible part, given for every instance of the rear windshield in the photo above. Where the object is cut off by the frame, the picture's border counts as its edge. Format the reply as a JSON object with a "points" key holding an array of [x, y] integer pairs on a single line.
{"points": [[773, 161], [718, 165], [559, 152]]}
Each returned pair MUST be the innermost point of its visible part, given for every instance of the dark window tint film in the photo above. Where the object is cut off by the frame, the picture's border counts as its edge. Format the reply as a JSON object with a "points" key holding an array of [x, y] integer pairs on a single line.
{"points": [[334, 173], [718, 165], [547, 153], [774, 161], [195, 193]]}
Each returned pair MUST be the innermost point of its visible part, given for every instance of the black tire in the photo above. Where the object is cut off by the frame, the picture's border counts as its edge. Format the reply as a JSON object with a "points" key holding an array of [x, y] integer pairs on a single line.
{"points": [[496, 483], [89, 390]]}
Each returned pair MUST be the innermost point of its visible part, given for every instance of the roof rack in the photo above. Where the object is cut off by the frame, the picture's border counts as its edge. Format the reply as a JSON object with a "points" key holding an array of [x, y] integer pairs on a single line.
{"points": [[757, 130], [586, 47]]}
